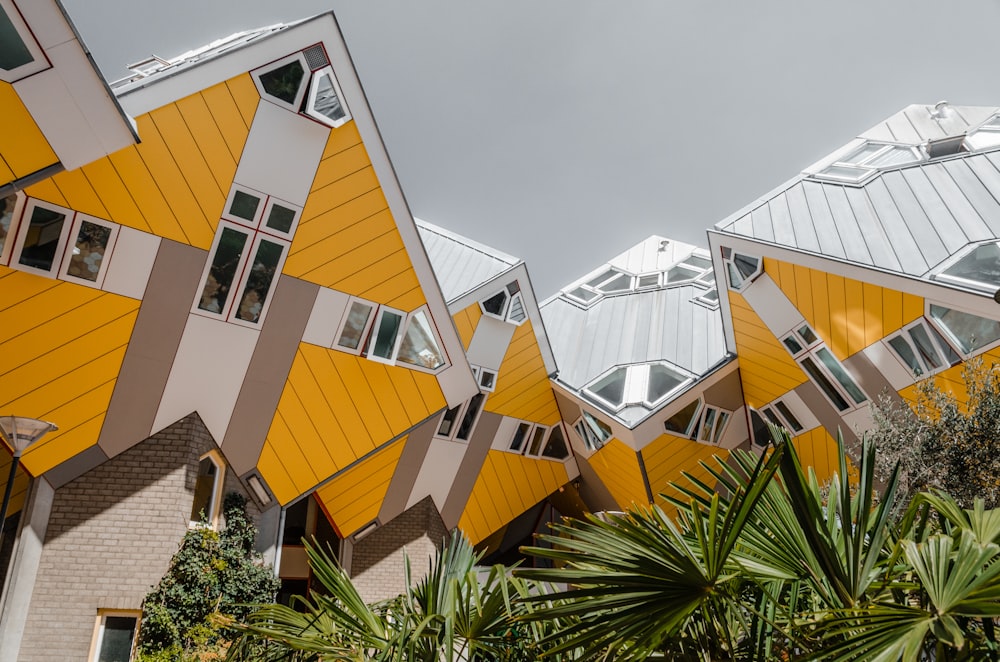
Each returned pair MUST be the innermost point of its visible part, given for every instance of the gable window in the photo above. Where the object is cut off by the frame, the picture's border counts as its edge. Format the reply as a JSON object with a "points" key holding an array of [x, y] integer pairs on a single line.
{"points": [[20, 55], [592, 431], [978, 270], [644, 384], [208, 490], [304, 82], [969, 332], [506, 305], [114, 636], [458, 423], [741, 269], [867, 159], [823, 368], [922, 349], [496, 305]]}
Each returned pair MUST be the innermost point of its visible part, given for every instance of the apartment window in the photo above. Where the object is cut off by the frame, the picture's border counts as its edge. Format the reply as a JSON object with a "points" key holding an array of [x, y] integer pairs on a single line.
{"points": [[710, 425], [533, 440], [356, 325], [647, 280], [114, 637], [10, 208], [517, 313], [556, 447], [284, 81], [979, 269], [208, 490], [592, 431], [506, 305], [922, 349], [385, 335], [780, 414], [305, 82], [419, 346], [391, 336], [741, 269], [867, 159], [41, 238], [823, 368], [458, 423], [90, 246], [20, 55], [486, 378], [683, 421], [969, 332], [645, 384]]}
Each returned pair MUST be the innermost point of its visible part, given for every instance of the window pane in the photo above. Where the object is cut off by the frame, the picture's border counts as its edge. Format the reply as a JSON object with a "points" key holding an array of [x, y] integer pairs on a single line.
{"points": [[841, 375], [556, 447], [712, 295], [448, 421], [698, 261], [357, 320], [970, 332], [13, 51], [662, 380], [720, 426], [280, 218], [649, 280], [926, 347], [681, 273], [584, 295], [735, 279], [262, 273], [846, 173], [536, 441], [681, 421], [283, 82], [597, 280], [516, 313], [771, 416], [244, 206], [706, 426], [496, 304], [950, 357], [223, 270], [116, 639], [982, 266], [88, 251], [863, 153], [746, 265], [793, 345], [807, 334], [905, 352], [385, 335], [787, 413], [619, 283], [824, 384], [204, 486], [520, 436], [326, 102], [487, 379], [419, 347], [42, 241], [471, 413], [599, 428], [7, 204], [893, 157], [611, 387]]}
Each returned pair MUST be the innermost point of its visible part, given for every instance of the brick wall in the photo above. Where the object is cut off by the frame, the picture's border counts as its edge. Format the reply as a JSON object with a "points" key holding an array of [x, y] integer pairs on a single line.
{"points": [[377, 559], [110, 538]]}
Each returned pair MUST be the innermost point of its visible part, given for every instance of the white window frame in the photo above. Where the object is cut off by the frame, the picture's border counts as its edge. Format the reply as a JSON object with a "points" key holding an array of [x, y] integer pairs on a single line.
{"points": [[22, 233], [771, 413], [373, 335], [510, 308], [527, 450], [366, 330], [258, 214], [936, 339], [950, 336], [810, 350], [593, 442], [864, 166], [303, 86], [637, 386], [20, 202], [77, 224], [245, 277], [701, 299], [480, 373], [40, 61], [437, 339], [715, 430], [463, 410], [657, 275], [215, 499], [97, 639], [729, 264], [695, 419], [548, 438], [976, 285], [268, 206], [314, 90], [991, 129]]}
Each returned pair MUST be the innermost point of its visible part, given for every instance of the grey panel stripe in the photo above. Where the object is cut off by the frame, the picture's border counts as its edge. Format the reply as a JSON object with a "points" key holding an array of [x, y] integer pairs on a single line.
{"points": [[468, 470], [407, 470]]}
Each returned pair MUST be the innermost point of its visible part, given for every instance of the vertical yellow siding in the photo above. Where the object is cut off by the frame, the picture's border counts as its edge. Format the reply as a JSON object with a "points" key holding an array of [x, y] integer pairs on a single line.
{"points": [[335, 409], [618, 467], [668, 456], [508, 485], [354, 498], [23, 148], [523, 389], [347, 239], [466, 321], [817, 449], [767, 371], [69, 342], [20, 489], [951, 381], [848, 314], [175, 182]]}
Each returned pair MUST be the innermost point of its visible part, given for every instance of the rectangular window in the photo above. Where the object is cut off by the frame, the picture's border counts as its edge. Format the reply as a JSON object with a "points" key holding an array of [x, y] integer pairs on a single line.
{"points": [[458, 423], [537, 444], [114, 637], [42, 238], [224, 265], [520, 438], [261, 273], [823, 368], [10, 212], [385, 335], [208, 490], [593, 432], [922, 349], [89, 249], [20, 55], [969, 332], [781, 415], [356, 324], [710, 425]]}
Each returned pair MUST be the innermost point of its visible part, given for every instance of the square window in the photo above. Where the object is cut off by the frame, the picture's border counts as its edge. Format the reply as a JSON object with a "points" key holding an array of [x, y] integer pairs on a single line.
{"points": [[41, 238], [280, 218], [244, 206]]}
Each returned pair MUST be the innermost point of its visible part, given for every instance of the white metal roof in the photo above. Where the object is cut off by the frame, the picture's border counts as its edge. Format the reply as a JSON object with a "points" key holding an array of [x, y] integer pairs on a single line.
{"points": [[461, 264]]}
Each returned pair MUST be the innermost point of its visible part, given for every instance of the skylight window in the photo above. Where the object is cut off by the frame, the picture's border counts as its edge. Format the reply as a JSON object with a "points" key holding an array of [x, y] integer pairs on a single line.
{"points": [[986, 135], [968, 332], [646, 385], [868, 159], [979, 270]]}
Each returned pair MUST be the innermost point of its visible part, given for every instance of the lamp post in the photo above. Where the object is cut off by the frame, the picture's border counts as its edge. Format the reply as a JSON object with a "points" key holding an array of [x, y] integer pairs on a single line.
{"points": [[19, 433]]}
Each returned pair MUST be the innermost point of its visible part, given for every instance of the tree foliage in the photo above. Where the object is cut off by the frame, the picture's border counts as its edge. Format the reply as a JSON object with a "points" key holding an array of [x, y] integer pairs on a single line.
{"points": [[213, 579], [944, 443]]}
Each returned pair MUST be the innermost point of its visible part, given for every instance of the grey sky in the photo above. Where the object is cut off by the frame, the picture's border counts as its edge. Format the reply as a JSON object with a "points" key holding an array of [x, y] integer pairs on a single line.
{"points": [[564, 131]]}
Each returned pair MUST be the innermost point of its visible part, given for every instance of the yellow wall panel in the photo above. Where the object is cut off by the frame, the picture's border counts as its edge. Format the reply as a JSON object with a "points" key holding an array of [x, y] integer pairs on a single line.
{"points": [[401, 291], [207, 134], [79, 194], [20, 489], [234, 129], [766, 369], [276, 475], [115, 196], [6, 174], [343, 138], [335, 409], [466, 321], [817, 449], [53, 450], [342, 163], [335, 226], [353, 498], [245, 94], [523, 389], [668, 456], [507, 486], [159, 218], [23, 147], [848, 314], [618, 467], [48, 191]]}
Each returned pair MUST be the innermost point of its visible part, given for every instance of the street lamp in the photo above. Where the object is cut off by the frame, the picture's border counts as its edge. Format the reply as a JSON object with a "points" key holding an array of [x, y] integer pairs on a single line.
{"points": [[19, 433]]}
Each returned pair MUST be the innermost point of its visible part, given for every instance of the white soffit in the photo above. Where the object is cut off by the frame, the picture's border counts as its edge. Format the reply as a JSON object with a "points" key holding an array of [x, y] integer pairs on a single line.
{"points": [[490, 342]]}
